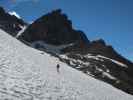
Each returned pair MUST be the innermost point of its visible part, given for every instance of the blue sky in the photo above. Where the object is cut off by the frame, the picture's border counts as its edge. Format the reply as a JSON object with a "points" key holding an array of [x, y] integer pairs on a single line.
{"points": [[111, 20]]}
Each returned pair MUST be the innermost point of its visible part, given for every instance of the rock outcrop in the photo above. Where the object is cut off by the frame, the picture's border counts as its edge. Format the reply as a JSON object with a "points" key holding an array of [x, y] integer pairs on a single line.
{"points": [[10, 23]]}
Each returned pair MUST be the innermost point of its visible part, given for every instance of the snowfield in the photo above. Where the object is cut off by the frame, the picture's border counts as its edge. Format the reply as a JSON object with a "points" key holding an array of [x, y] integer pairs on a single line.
{"points": [[29, 74]]}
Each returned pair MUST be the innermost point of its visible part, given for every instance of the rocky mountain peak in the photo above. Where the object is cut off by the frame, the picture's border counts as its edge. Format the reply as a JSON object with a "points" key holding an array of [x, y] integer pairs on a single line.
{"points": [[10, 23], [1, 10], [53, 28], [98, 42]]}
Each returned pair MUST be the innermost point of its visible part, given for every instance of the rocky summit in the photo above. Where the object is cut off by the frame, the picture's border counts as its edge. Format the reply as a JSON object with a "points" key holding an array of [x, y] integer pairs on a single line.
{"points": [[53, 28], [10, 23]]}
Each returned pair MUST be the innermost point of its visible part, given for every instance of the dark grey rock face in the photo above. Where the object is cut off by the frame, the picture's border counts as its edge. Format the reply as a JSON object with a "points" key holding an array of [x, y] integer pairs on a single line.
{"points": [[53, 28], [10, 23]]}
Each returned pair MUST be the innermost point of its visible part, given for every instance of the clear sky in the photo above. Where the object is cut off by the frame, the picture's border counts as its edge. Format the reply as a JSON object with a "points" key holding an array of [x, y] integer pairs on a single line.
{"points": [[111, 20]]}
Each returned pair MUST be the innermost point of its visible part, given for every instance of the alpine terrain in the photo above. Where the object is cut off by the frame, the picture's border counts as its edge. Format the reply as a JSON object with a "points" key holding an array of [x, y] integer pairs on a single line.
{"points": [[87, 70]]}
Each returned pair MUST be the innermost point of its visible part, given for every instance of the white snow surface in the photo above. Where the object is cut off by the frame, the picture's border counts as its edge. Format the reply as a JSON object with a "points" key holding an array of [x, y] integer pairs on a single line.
{"points": [[101, 58], [23, 28], [15, 14], [117, 62], [27, 74], [51, 48]]}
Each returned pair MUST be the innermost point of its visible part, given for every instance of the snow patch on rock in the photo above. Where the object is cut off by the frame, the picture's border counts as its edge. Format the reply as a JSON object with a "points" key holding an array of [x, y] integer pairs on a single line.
{"points": [[13, 13]]}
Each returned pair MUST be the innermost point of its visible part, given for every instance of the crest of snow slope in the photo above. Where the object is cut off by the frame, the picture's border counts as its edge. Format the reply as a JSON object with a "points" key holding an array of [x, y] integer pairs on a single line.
{"points": [[27, 74], [15, 14]]}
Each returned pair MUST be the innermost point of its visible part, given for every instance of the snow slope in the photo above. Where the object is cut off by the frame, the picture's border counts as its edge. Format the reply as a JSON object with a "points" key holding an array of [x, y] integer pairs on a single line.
{"points": [[29, 74]]}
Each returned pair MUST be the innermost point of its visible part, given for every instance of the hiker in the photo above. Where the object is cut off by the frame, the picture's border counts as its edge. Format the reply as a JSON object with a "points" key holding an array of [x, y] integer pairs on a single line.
{"points": [[58, 67]]}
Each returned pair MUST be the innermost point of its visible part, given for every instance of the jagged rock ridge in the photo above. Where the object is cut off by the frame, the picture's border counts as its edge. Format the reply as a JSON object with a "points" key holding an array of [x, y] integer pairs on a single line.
{"points": [[10, 23]]}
